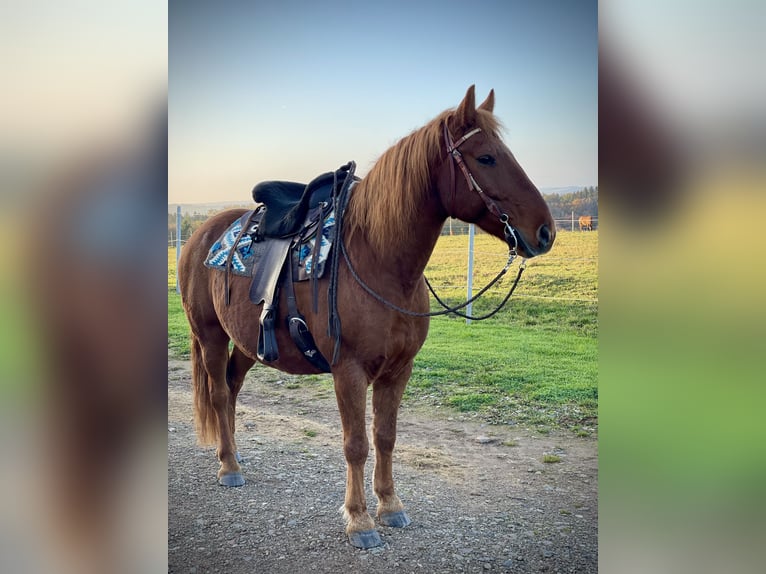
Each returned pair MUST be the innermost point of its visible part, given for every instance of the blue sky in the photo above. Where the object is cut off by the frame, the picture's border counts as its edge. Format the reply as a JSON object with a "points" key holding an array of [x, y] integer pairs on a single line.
{"points": [[288, 90]]}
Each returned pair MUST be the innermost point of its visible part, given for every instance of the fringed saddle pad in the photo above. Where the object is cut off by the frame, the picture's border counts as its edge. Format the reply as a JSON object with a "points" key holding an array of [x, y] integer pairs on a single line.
{"points": [[244, 256], [242, 259], [306, 250]]}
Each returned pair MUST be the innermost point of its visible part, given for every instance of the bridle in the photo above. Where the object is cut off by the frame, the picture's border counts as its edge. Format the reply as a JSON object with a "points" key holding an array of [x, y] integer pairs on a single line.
{"points": [[492, 207], [508, 232]]}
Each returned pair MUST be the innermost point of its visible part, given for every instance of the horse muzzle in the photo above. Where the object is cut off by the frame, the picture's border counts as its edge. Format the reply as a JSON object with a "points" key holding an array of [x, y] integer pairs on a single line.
{"points": [[544, 239]]}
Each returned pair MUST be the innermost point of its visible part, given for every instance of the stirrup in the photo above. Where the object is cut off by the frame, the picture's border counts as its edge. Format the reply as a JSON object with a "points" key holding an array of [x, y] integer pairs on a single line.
{"points": [[267, 340]]}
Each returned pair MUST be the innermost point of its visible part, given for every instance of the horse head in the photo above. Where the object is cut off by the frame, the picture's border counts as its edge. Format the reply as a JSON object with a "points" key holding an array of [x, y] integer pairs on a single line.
{"points": [[481, 182]]}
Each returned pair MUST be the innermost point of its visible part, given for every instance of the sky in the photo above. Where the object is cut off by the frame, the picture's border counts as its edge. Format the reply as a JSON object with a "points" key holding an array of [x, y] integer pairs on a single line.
{"points": [[288, 90]]}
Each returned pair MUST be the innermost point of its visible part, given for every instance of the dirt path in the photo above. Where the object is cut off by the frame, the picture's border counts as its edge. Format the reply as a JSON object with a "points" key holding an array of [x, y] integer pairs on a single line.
{"points": [[480, 497]]}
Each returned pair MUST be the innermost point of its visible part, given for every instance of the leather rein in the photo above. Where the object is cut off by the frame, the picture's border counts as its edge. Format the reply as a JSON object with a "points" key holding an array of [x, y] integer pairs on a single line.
{"points": [[508, 232]]}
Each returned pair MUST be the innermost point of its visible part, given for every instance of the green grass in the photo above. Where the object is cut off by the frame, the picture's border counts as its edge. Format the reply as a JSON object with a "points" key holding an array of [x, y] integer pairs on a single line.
{"points": [[171, 267], [178, 328], [534, 363], [513, 373], [551, 458]]}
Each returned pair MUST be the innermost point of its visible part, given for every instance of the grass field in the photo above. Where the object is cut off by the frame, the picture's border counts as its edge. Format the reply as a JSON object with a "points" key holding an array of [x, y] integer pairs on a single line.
{"points": [[534, 363]]}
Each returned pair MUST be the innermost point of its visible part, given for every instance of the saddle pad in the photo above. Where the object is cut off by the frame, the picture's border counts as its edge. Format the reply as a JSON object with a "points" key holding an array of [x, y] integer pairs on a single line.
{"points": [[244, 255], [242, 259], [306, 251]]}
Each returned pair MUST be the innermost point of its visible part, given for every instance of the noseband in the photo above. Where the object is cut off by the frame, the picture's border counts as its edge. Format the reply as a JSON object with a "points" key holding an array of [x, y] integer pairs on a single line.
{"points": [[494, 209]]}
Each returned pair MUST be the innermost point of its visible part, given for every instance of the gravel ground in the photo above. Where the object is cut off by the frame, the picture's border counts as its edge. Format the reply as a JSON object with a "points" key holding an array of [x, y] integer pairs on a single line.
{"points": [[480, 496]]}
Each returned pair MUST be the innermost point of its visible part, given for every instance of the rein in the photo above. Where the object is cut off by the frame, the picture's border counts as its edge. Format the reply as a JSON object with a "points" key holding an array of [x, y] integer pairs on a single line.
{"points": [[508, 232], [447, 310]]}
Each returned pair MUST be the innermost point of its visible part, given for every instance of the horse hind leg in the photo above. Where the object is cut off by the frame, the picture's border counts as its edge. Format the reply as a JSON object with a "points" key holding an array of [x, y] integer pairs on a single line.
{"points": [[386, 398], [213, 403], [238, 366]]}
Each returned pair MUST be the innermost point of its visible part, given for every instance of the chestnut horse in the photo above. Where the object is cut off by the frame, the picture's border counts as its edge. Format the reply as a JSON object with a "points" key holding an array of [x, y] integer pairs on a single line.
{"points": [[393, 219], [586, 223]]}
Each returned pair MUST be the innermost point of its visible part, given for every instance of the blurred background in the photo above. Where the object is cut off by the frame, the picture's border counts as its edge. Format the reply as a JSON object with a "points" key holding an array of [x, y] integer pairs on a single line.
{"points": [[83, 168], [682, 143], [83, 183]]}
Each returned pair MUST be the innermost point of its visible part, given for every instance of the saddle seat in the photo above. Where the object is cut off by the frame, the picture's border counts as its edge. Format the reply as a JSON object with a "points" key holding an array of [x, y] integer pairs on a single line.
{"points": [[288, 202]]}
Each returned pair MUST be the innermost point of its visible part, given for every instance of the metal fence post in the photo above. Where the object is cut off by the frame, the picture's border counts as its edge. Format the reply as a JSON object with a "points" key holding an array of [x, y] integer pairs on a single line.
{"points": [[178, 244], [470, 271]]}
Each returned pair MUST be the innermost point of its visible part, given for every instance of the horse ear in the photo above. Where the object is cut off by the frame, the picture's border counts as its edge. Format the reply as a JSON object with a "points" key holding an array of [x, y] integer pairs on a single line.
{"points": [[489, 103], [466, 111]]}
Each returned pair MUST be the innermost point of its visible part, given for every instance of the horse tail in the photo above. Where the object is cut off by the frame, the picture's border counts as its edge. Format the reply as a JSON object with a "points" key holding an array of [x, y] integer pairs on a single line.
{"points": [[204, 413]]}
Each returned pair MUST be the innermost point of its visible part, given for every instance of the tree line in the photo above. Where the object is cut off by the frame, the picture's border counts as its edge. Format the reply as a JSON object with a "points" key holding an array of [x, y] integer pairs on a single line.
{"points": [[189, 224], [582, 202]]}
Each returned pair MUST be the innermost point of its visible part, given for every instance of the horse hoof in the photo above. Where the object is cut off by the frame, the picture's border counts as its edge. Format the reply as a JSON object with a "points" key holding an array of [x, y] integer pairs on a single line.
{"points": [[233, 479], [365, 539], [395, 519]]}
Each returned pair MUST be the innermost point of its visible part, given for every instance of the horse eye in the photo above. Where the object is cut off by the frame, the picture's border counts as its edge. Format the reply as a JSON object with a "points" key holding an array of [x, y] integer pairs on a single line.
{"points": [[486, 160]]}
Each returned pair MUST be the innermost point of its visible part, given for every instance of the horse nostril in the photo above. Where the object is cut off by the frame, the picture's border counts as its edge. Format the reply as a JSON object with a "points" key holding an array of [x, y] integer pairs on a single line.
{"points": [[544, 236]]}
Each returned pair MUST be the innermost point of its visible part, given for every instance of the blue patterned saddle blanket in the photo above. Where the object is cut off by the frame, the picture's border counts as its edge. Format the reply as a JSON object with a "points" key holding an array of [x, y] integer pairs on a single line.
{"points": [[244, 253]]}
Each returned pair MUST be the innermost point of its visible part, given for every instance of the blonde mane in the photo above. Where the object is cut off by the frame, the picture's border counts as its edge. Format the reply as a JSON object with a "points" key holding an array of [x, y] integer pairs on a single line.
{"points": [[384, 205]]}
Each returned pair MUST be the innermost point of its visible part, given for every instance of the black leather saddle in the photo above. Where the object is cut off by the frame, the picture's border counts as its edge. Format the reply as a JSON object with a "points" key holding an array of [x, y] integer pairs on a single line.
{"points": [[290, 213], [288, 202]]}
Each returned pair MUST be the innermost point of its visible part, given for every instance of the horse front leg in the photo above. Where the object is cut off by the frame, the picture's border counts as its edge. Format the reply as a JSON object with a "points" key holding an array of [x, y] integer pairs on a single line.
{"points": [[351, 394], [386, 398]]}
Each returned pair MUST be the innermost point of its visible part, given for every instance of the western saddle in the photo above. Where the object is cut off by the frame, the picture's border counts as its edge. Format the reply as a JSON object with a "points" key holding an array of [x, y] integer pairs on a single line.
{"points": [[290, 214]]}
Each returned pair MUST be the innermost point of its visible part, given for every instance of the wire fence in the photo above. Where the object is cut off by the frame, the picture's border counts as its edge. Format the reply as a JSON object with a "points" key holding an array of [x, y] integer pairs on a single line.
{"points": [[451, 227], [552, 264]]}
